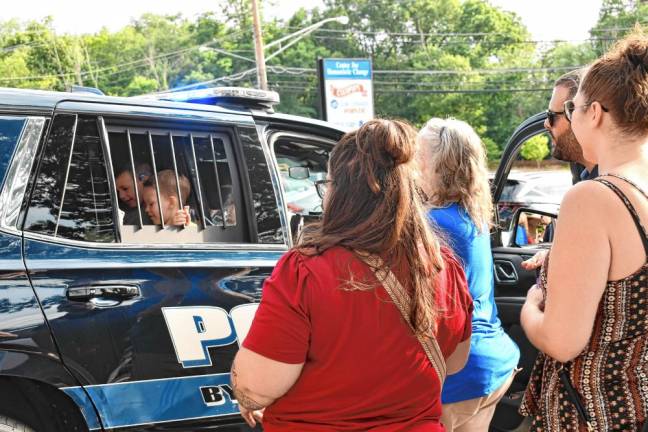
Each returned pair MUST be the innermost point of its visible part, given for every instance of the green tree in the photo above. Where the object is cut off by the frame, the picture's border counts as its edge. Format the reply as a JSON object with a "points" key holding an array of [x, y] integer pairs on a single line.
{"points": [[536, 149], [459, 58]]}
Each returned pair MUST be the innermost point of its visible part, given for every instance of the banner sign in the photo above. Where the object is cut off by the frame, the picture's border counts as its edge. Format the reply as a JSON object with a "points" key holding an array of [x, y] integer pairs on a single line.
{"points": [[347, 91]]}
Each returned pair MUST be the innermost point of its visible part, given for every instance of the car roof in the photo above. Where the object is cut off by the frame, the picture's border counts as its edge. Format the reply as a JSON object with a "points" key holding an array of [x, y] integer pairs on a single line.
{"points": [[42, 100], [28, 100]]}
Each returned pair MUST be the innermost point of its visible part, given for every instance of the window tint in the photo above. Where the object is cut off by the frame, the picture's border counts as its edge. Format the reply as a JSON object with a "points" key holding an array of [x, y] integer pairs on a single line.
{"points": [[177, 186], [266, 207], [10, 129], [71, 197]]}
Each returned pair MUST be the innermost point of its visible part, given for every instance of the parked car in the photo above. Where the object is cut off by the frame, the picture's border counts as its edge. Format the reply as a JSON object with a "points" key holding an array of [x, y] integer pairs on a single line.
{"points": [[543, 190], [109, 324]]}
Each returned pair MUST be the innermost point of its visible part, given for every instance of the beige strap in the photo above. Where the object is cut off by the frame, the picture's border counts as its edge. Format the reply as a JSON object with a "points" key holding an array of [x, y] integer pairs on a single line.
{"points": [[403, 302]]}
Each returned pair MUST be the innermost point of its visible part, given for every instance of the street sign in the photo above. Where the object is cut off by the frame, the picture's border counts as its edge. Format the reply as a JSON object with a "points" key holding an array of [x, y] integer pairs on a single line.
{"points": [[346, 90]]}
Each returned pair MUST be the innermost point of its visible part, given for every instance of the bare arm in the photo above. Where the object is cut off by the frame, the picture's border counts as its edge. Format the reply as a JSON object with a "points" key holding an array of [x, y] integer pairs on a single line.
{"points": [[578, 271], [458, 358], [258, 381]]}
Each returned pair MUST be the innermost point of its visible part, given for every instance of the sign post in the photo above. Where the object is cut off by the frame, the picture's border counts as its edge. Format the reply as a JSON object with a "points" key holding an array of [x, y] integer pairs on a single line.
{"points": [[346, 91]]}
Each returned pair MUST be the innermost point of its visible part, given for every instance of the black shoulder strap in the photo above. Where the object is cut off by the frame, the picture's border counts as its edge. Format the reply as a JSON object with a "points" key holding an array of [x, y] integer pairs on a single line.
{"points": [[630, 182], [631, 209]]}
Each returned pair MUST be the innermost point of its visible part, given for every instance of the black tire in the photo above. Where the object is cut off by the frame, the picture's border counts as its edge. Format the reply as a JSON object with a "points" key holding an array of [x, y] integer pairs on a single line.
{"points": [[7, 424]]}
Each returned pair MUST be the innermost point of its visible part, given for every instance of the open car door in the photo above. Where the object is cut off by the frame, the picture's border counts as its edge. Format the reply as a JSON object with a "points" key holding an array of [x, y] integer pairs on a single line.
{"points": [[512, 281]]}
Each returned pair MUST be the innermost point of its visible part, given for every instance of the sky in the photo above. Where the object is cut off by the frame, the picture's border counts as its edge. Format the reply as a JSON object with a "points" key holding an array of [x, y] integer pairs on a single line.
{"points": [[546, 19], [555, 19]]}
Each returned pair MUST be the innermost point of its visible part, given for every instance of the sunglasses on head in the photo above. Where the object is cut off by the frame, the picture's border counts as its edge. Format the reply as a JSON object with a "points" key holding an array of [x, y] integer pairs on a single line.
{"points": [[570, 107], [551, 116]]}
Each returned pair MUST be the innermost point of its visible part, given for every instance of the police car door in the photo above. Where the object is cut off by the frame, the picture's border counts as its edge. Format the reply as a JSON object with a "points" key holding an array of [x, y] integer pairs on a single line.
{"points": [[147, 313]]}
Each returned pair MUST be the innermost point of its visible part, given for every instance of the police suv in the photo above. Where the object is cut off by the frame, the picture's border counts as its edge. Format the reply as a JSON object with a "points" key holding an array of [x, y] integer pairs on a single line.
{"points": [[109, 321], [115, 314]]}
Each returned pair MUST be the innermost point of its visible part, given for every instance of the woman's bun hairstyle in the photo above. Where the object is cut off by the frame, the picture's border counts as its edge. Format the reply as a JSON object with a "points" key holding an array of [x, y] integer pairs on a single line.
{"points": [[619, 81], [382, 146]]}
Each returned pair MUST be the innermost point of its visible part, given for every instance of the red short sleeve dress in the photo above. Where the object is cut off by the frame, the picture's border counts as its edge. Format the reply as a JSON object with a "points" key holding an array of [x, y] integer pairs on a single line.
{"points": [[363, 367]]}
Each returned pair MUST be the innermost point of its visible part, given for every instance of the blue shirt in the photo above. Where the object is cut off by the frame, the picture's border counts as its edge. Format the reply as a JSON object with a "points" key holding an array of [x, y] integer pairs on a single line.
{"points": [[493, 355]]}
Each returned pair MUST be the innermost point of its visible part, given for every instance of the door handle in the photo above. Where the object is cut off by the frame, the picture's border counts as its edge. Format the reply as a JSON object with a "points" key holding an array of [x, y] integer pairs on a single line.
{"points": [[505, 272], [107, 292]]}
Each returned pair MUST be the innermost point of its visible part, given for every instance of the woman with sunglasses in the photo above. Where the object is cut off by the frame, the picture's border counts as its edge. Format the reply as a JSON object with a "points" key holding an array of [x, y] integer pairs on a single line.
{"points": [[329, 349], [589, 314]]}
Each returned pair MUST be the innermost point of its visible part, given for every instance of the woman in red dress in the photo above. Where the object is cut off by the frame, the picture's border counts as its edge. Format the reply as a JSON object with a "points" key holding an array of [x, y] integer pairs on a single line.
{"points": [[328, 349]]}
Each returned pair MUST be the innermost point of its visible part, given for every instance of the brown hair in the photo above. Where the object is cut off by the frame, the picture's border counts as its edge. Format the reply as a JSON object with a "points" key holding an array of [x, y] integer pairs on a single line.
{"points": [[168, 186], [453, 151], [374, 206], [571, 80], [619, 81]]}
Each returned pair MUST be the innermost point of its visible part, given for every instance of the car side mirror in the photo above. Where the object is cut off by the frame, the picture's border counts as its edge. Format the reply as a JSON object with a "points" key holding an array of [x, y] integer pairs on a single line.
{"points": [[299, 173], [532, 227]]}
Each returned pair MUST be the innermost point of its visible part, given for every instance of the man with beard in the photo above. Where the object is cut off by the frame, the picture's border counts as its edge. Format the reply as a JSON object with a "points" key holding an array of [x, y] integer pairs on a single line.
{"points": [[564, 145]]}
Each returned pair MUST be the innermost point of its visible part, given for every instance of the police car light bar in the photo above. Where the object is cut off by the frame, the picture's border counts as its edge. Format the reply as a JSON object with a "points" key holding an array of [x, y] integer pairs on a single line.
{"points": [[248, 97]]}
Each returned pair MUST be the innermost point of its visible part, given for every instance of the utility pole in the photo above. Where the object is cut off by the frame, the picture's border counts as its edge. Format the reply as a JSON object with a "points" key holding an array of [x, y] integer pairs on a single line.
{"points": [[262, 78]]}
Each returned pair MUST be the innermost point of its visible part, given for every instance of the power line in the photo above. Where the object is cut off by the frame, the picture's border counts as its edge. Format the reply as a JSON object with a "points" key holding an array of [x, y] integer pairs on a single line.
{"points": [[457, 91], [301, 71], [111, 67], [500, 43]]}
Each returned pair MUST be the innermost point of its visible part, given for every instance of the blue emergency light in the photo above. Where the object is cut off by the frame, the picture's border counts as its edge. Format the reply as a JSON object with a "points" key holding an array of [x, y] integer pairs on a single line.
{"points": [[239, 96]]}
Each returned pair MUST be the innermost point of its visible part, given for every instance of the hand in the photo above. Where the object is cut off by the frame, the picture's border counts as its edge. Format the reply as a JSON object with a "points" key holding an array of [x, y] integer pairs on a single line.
{"points": [[535, 297], [251, 417], [294, 208], [535, 261], [182, 217]]}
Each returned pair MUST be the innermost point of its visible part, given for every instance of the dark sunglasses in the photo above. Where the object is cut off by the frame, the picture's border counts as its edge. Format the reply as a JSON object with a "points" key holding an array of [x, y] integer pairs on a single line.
{"points": [[551, 116], [570, 107], [321, 186]]}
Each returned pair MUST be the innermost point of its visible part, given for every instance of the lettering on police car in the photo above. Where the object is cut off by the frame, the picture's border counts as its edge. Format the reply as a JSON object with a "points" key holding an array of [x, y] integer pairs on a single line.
{"points": [[215, 395], [194, 329]]}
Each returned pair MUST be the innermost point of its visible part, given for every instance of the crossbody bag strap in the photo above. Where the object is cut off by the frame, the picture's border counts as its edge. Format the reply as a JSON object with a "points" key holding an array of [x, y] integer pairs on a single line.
{"points": [[402, 300], [574, 396]]}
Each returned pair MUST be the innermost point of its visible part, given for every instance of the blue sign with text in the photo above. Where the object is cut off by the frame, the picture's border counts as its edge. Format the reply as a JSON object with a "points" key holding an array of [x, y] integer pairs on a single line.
{"points": [[347, 69]]}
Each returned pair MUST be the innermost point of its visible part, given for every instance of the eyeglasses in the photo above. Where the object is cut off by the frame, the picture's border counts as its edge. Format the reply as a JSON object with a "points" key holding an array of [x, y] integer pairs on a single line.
{"points": [[551, 116], [570, 107], [322, 186]]}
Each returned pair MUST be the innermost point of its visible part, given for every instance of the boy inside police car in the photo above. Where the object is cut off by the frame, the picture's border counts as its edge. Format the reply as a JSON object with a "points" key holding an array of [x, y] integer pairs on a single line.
{"points": [[172, 212]]}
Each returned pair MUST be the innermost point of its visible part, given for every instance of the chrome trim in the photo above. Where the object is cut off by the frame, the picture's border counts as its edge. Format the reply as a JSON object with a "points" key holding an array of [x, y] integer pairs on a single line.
{"points": [[218, 185], [175, 170], [17, 177], [103, 136], [201, 204], [135, 178], [157, 185], [256, 247], [67, 174]]}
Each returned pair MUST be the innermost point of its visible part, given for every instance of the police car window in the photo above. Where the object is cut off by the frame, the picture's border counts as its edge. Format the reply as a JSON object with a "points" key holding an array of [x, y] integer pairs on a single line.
{"points": [[176, 186], [265, 204], [301, 163], [10, 129], [71, 197]]}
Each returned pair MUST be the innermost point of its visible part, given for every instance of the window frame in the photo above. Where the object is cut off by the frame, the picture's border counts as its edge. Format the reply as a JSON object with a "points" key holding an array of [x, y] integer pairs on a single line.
{"points": [[275, 134], [25, 157], [36, 169], [207, 122]]}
